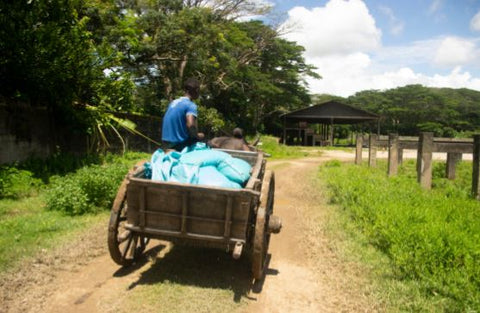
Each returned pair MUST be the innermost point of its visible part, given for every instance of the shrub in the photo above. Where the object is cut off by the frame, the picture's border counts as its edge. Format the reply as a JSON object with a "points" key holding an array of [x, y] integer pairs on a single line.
{"points": [[88, 190], [15, 183], [58, 164]]}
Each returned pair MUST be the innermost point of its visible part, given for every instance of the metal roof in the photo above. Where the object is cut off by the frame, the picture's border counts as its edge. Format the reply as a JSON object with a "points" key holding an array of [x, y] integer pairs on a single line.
{"points": [[331, 112]]}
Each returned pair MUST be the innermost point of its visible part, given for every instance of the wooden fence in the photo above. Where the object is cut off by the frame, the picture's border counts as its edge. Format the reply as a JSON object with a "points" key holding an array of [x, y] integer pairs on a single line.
{"points": [[425, 145]]}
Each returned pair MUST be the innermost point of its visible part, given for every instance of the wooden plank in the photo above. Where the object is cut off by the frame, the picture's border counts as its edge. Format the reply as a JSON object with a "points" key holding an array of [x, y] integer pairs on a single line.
{"points": [[256, 171], [142, 207], [184, 212], [228, 217], [178, 234], [453, 147], [141, 182]]}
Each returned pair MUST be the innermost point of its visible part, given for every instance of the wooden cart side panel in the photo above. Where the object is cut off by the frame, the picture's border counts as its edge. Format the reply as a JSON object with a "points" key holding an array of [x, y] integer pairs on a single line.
{"points": [[192, 210]]}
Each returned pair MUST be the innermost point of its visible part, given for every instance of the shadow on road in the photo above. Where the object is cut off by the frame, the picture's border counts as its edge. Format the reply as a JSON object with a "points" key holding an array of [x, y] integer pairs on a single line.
{"points": [[150, 253], [202, 267]]}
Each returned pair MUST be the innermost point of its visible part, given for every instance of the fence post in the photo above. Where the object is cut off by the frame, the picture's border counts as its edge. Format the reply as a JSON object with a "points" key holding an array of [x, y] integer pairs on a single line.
{"points": [[358, 151], [400, 155], [476, 167], [424, 160], [392, 154], [452, 160], [372, 150]]}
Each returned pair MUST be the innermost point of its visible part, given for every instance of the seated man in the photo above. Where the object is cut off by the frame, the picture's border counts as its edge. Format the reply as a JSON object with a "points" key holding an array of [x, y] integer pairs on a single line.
{"points": [[179, 125]]}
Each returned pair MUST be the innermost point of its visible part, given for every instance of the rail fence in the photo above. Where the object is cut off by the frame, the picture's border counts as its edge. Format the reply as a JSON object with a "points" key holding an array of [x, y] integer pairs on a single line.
{"points": [[425, 145]]}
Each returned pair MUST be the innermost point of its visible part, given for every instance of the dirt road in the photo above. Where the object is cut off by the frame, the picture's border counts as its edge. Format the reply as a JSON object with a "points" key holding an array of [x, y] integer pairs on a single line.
{"points": [[305, 273]]}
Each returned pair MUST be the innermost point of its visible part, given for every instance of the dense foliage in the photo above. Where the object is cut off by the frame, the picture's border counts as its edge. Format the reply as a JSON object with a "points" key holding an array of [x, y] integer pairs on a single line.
{"points": [[430, 236], [84, 58], [412, 109]]}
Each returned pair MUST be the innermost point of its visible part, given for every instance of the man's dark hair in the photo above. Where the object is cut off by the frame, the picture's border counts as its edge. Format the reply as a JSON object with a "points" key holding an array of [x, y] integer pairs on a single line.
{"points": [[238, 133], [192, 86]]}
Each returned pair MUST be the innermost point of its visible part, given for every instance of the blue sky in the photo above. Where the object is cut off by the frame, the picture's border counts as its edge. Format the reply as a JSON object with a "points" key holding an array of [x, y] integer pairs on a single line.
{"points": [[375, 44]]}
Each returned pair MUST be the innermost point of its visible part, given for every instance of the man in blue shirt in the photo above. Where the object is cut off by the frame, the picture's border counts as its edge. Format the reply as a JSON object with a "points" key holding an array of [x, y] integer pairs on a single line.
{"points": [[179, 126]]}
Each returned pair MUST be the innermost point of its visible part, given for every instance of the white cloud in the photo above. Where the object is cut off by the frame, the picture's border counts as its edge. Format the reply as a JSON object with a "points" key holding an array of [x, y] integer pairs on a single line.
{"points": [[396, 25], [455, 51], [475, 22], [344, 44], [340, 27], [358, 77]]}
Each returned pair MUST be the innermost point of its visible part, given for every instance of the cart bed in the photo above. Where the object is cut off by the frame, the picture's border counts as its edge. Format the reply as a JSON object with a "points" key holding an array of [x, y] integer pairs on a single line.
{"points": [[199, 215]]}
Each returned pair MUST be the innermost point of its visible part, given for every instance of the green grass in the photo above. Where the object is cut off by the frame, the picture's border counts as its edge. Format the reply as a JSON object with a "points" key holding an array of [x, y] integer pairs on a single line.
{"points": [[28, 227], [271, 146], [430, 239]]}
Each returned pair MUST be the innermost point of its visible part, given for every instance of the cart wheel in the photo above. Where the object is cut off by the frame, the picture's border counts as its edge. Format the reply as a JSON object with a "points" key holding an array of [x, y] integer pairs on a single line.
{"points": [[262, 235], [123, 245]]}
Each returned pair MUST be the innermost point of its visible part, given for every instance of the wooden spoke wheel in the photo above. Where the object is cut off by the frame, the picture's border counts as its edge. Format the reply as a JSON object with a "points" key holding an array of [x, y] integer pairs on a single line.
{"points": [[261, 238], [124, 246]]}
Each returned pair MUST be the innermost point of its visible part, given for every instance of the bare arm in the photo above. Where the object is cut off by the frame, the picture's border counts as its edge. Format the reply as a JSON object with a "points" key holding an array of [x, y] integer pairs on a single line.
{"points": [[193, 128]]}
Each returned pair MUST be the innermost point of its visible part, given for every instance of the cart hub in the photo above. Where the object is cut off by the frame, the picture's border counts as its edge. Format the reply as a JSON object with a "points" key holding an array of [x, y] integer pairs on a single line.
{"points": [[274, 224]]}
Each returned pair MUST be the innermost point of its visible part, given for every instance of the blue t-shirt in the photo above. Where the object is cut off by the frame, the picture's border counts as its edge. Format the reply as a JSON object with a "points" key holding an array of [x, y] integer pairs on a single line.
{"points": [[174, 128]]}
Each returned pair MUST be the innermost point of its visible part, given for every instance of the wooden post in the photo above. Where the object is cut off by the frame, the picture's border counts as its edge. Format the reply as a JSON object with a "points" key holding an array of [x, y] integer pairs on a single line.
{"points": [[284, 131], [331, 132], [392, 154], [400, 156], [372, 150], [358, 150], [452, 160], [476, 167], [424, 160]]}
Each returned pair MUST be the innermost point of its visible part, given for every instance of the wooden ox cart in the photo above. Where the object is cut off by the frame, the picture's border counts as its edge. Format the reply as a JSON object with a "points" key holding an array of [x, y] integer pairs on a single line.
{"points": [[236, 220]]}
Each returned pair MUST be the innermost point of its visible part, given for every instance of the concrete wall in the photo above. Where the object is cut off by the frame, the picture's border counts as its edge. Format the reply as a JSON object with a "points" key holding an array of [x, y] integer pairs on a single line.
{"points": [[28, 132], [24, 132], [150, 126]]}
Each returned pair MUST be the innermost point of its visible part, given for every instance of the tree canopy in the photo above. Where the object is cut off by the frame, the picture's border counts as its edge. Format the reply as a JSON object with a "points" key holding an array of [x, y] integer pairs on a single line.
{"points": [[132, 56], [412, 109]]}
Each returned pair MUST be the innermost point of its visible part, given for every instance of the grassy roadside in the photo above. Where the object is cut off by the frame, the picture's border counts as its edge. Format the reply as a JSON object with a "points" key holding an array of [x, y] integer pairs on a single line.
{"points": [[38, 220], [27, 229], [420, 247]]}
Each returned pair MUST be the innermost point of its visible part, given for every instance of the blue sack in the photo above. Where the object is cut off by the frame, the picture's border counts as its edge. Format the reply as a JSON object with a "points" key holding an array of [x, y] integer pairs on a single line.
{"points": [[210, 176], [196, 146], [235, 169], [185, 173], [148, 170], [204, 157], [162, 164]]}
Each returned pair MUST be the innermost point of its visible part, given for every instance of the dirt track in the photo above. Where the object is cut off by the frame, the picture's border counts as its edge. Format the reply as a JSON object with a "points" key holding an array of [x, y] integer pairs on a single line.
{"points": [[84, 278]]}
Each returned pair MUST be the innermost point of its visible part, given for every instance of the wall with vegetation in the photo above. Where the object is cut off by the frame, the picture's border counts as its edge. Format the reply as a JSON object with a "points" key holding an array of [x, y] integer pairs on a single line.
{"points": [[24, 131], [27, 131]]}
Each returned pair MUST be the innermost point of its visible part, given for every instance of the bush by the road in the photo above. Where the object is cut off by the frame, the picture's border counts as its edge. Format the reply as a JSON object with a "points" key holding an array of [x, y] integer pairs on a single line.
{"points": [[86, 190]]}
